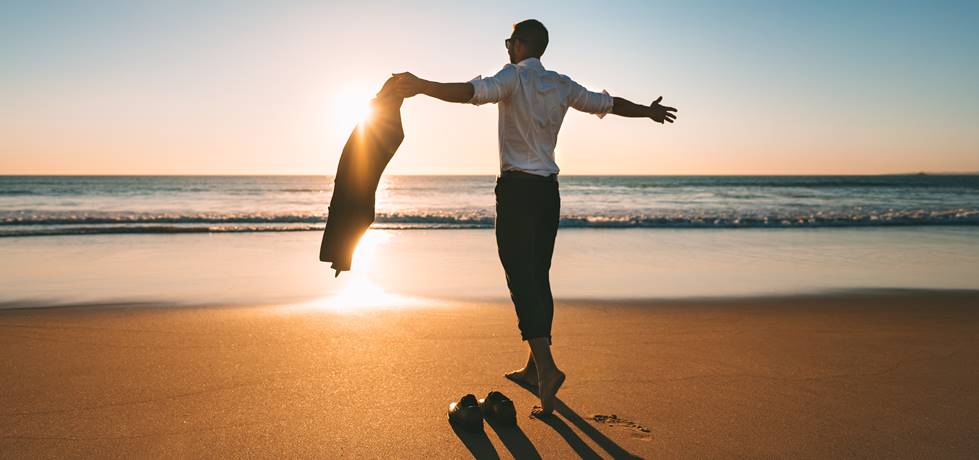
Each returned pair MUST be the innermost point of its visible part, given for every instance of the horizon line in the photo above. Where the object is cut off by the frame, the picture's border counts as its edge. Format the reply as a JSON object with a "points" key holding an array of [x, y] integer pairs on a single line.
{"points": [[916, 173]]}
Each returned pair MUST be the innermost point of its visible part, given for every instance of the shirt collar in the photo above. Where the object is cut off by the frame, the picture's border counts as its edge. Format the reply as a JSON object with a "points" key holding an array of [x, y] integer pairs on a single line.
{"points": [[531, 62]]}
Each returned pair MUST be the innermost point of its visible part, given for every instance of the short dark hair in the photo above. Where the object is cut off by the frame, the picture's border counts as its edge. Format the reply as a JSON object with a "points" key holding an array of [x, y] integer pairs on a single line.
{"points": [[533, 34]]}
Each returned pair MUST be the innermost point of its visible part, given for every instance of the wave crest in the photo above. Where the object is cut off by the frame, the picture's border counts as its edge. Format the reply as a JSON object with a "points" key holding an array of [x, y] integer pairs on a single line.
{"points": [[34, 224]]}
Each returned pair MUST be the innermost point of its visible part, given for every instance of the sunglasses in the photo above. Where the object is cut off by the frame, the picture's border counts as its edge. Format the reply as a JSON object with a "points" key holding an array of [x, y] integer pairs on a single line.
{"points": [[509, 42]]}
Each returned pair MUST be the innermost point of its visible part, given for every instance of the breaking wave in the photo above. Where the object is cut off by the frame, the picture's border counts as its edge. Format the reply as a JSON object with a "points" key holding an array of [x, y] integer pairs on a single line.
{"points": [[55, 223]]}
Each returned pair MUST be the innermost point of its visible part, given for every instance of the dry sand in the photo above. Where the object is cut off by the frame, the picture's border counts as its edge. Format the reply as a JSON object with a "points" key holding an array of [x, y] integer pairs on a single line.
{"points": [[852, 375]]}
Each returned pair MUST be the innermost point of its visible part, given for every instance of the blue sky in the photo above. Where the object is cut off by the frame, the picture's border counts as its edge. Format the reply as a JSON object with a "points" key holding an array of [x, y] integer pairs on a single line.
{"points": [[260, 87]]}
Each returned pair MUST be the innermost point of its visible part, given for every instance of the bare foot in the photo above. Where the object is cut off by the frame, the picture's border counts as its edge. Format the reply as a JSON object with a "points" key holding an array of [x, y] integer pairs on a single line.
{"points": [[526, 376], [549, 384]]}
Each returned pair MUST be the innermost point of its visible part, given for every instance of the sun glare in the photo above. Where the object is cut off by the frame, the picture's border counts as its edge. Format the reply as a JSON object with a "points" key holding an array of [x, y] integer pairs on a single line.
{"points": [[366, 251], [361, 294], [358, 293], [352, 106]]}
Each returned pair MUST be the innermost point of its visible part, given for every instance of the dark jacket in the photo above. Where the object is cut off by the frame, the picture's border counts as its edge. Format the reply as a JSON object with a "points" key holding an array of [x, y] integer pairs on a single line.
{"points": [[367, 152]]}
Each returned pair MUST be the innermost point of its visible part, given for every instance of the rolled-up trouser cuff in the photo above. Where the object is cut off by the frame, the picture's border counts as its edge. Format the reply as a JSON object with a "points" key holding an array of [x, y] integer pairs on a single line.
{"points": [[525, 337]]}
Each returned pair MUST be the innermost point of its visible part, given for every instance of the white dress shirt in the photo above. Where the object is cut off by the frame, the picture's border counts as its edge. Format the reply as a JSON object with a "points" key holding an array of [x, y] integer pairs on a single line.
{"points": [[532, 103]]}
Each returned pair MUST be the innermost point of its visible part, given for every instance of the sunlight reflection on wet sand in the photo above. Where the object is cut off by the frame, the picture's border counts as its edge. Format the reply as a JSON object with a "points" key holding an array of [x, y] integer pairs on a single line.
{"points": [[359, 293]]}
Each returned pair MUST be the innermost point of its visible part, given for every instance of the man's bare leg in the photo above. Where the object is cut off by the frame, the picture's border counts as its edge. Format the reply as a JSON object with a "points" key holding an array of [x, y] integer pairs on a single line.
{"points": [[527, 375], [549, 377]]}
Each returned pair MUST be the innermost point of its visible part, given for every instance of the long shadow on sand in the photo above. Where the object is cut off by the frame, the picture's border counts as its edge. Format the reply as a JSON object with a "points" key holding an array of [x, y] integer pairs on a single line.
{"points": [[513, 439], [477, 442], [576, 443]]}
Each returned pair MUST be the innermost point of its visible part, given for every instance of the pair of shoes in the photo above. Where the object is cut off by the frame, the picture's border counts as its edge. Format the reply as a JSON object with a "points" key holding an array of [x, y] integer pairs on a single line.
{"points": [[495, 408]]}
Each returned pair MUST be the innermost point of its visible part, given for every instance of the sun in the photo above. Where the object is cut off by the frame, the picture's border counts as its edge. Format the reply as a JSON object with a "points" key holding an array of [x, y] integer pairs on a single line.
{"points": [[351, 106]]}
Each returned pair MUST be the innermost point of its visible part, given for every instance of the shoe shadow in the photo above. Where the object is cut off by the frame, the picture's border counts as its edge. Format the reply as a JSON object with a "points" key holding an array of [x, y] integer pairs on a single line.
{"points": [[515, 441], [477, 442], [576, 443]]}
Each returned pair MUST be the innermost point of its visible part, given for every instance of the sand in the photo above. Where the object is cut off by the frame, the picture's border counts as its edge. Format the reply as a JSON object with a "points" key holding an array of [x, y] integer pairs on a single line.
{"points": [[872, 374]]}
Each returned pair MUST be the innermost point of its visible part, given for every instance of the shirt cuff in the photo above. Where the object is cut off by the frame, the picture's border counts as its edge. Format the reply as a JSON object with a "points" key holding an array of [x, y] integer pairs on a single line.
{"points": [[607, 104]]}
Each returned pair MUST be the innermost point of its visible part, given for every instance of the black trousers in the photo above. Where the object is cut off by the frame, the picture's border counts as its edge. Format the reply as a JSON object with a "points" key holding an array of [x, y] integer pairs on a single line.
{"points": [[527, 214]]}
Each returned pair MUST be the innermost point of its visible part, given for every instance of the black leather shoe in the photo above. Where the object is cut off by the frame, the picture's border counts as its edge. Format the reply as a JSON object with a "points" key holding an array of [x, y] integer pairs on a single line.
{"points": [[466, 414], [497, 408]]}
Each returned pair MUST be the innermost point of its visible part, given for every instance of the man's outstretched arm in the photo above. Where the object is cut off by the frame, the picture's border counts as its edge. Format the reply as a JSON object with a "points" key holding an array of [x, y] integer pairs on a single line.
{"points": [[408, 85], [655, 111]]}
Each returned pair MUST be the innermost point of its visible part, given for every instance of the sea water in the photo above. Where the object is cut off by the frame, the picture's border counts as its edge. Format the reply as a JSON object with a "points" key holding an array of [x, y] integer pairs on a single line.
{"points": [[232, 240], [64, 205]]}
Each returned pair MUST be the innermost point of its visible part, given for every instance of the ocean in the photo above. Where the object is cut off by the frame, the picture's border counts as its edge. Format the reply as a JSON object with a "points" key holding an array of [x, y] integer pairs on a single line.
{"points": [[66, 205], [195, 240]]}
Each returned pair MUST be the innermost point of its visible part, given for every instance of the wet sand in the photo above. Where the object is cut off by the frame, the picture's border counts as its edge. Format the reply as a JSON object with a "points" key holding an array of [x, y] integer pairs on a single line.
{"points": [[463, 265], [872, 374]]}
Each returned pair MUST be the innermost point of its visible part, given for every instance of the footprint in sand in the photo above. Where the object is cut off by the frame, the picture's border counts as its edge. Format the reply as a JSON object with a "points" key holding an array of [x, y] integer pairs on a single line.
{"points": [[639, 431]]}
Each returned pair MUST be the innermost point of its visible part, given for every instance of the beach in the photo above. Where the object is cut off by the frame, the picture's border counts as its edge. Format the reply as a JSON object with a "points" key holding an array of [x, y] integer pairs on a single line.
{"points": [[889, 374]]}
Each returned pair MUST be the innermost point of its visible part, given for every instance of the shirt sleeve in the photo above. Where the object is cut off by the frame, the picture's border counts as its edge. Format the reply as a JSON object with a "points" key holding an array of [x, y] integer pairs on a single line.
{"points": [[589, 101], [496, 88]]}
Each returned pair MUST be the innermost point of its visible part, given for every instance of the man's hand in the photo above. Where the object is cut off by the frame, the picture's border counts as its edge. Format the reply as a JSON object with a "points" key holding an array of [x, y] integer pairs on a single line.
{"points": [[660, 113], [655, 111], [406, 85]]}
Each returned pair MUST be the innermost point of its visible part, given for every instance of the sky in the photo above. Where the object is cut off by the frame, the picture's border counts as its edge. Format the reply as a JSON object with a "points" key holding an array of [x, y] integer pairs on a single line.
{"points": [[100, 87]]}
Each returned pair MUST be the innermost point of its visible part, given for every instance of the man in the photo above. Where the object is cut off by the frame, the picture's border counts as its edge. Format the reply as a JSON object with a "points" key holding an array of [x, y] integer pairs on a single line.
{"points": [[532, 104]]}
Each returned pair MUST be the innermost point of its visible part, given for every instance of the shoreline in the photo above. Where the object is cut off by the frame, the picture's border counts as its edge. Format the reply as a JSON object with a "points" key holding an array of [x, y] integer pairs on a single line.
{"points": [[842, 294], [572, 224]]}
